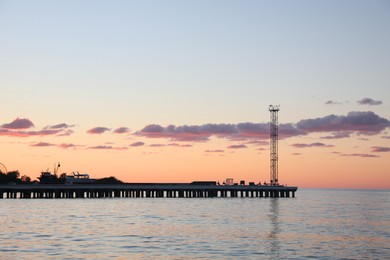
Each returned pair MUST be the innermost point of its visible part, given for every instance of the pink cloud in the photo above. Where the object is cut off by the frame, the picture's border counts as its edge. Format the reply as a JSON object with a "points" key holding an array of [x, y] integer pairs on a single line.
{"points": [[101, 147], [66, 132], [289, 130], [179, 145], [338, 135], [122, 130], [136, 144], [60, 126], [237, 146], [106, 147], [259, 142], [363, 155], [367, 123], [214, 151], [300, 145], [171, 144], [44, 132], [157, 145], [379, 149], [185, 133], [42, 144], [361, 122], [67, 146], [202, 133], [98, 130], [17, 128], [18, 123]]}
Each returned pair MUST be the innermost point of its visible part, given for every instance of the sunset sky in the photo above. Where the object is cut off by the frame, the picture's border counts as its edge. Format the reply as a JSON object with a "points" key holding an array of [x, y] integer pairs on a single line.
{"points": [[177, 91]]}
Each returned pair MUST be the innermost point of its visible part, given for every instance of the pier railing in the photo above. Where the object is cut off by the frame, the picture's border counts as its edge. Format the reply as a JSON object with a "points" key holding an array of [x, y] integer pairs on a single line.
{"points": [[58, 191]]}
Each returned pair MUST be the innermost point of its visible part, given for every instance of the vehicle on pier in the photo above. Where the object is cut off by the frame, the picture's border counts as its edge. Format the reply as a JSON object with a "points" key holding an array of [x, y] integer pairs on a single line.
{"points": [[48, 178], [78, 178], [75, 178]]}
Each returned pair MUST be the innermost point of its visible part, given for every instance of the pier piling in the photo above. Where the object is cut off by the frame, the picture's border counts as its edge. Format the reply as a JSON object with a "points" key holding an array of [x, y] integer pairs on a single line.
{"points": [[58, 191]]}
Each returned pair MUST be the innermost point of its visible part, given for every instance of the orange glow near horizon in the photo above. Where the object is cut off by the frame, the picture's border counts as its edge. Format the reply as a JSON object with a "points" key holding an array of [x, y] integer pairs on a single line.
{"points": [[186, 162]]}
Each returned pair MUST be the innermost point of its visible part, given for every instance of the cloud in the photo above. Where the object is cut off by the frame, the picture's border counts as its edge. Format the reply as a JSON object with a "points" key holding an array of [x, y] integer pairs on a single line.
{"points": [[331, 102], [157, 145], [250, 130], [379, 149], [67, 146], [106, 147], [289, 130], [178, 133], [121, 130], [98, 130], [66, 132], [59, 126], [341, 126], [258, 142], [361, 122], [202, 133], [18, 123], [6, 132], [63, 145], [296, 154], [363, 155], [369, 101], [214, 151], [18, 128], [338, 135], [171, 144], [300, 145], [179, 145], [101, 147], [42, 144], [386, 137], [65, 129], [136, 144], [237, 146]]}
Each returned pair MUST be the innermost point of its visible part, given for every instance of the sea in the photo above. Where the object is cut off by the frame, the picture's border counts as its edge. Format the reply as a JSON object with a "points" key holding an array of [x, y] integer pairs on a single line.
{"points": [[316, 224]]}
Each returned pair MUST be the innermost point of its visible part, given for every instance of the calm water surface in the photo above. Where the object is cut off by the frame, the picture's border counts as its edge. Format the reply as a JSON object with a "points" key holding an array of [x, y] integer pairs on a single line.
{"points": [[323, 224]]}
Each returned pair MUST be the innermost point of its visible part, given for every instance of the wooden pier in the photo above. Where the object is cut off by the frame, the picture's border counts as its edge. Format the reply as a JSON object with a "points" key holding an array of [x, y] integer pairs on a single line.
{"points": [[59, 191]]}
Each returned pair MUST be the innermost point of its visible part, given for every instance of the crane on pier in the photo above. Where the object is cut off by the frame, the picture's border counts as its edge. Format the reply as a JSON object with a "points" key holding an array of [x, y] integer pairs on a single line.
{"points": [[3, 169]]}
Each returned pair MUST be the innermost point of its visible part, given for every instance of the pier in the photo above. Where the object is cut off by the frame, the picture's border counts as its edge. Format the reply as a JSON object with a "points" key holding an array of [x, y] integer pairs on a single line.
{"points": [[158, 190]]}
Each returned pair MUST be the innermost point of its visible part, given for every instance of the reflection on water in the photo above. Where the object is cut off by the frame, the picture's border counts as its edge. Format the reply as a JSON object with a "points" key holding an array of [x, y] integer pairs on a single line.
{"points": [[275, 229], [316, 224]]}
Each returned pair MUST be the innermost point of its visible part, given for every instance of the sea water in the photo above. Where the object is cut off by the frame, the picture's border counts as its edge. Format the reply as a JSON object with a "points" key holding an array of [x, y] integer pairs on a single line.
{"points": [[317, 223]]}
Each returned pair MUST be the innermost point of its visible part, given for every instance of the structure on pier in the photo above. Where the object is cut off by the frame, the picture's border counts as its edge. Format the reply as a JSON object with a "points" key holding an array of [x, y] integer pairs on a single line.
{"points": [[274, 145], [3, 169]]}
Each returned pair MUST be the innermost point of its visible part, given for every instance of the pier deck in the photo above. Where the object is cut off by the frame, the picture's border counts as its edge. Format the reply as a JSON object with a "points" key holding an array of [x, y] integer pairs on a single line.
{"points": [[39, 191]]}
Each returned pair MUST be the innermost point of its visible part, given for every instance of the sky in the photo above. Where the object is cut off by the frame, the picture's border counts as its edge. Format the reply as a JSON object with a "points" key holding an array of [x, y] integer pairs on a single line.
{"points": [[178, 91]]}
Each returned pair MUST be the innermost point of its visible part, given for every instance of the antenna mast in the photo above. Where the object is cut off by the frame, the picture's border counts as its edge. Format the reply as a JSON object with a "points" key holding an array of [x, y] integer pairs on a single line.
{"points": [[274, 144]]}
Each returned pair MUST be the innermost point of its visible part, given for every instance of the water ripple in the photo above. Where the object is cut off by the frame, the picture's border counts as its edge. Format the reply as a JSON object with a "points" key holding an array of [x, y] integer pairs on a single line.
{"points": [[317, 224]]}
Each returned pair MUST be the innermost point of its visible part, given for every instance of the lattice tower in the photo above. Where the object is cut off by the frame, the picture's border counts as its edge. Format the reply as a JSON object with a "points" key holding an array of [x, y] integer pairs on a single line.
{"points": [[274, 144]]}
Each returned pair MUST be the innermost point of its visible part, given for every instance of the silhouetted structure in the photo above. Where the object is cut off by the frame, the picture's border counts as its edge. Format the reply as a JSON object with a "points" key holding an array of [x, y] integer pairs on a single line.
{"points": [[274, 145], [145, 190]]}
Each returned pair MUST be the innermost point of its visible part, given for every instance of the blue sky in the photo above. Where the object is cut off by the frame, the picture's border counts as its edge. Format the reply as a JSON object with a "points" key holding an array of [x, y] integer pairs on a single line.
{"points": [[203, 56]]}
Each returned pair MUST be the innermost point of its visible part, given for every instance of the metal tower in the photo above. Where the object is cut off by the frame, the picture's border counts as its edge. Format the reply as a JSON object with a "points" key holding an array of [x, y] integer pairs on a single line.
{"points": [[274, 144]]}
